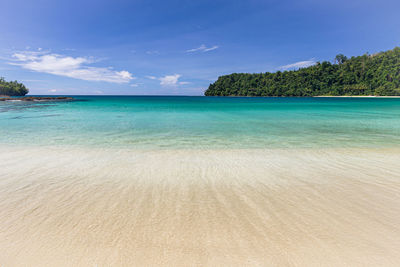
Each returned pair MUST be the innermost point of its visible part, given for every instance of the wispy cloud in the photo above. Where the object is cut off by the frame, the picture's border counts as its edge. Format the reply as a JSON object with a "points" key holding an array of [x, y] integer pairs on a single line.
{"points": [[202, 48], [33, 81], [135, 84], [152, 52], [73, 67], [298, 65], [169, 80]]}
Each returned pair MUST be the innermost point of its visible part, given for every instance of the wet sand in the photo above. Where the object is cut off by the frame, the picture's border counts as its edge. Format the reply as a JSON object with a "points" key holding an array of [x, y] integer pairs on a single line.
{"points": [[93, 207]]}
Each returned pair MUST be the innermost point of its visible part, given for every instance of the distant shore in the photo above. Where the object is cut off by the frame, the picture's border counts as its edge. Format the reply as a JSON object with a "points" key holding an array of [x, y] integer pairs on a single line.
{"points": [[36, 98], [344, 96], [358, 96]]}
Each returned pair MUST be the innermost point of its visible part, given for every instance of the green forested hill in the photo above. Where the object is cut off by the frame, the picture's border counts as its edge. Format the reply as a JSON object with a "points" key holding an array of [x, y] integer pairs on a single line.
{"points": [[12, 88], [377, 74]]}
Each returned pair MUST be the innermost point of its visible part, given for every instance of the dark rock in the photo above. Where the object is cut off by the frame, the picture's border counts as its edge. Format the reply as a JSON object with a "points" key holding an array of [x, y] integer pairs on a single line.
{"points": [[37, 98]]}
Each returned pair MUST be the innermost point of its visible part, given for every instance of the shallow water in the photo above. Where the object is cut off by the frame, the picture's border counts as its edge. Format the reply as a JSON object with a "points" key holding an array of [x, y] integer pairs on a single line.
{"points": [[204, 122], [154, 182]]}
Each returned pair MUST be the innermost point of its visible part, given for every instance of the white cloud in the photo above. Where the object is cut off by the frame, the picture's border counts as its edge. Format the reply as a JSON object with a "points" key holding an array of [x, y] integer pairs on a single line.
{"points": [[202, 48], [183, 83], [73, 67], [169, 80], [53, 90], [297, 65]]}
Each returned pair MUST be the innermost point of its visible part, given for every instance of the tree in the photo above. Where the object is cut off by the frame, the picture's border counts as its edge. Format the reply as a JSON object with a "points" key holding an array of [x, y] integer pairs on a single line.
{"points": [[340, 59], [377, 74], [12, 88]]}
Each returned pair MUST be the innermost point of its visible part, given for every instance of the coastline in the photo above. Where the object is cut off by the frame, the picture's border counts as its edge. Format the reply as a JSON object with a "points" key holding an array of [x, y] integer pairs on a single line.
{"points": [[332, 96], [36, 98], [77, 206], [360, 96]]}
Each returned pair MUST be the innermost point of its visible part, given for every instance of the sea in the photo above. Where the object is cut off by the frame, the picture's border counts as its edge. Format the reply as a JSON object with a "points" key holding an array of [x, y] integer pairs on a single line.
{"points": [[181, 122]]}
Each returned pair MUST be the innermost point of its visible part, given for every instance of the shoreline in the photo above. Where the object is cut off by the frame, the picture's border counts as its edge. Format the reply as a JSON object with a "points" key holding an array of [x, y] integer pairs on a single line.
{"points": [[345, 96], [70, 98], [36, 99], [360, 96]]}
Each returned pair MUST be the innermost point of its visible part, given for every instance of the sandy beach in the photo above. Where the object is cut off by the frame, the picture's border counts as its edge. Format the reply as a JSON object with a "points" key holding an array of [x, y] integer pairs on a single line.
{"points": [[96, 207], [199, 133]]}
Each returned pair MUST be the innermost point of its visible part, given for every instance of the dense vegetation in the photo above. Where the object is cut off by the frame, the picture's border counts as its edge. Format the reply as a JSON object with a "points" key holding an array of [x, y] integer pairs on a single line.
{"points": [[377, 74], [12, 88]]}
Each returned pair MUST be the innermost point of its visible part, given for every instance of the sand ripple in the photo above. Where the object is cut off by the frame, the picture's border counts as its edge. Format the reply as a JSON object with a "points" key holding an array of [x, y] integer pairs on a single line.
{"points": [[77, 207]]}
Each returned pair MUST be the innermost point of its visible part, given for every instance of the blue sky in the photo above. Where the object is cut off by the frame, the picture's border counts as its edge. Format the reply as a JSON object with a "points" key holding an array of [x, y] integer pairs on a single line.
{"points": [[179, 47]]}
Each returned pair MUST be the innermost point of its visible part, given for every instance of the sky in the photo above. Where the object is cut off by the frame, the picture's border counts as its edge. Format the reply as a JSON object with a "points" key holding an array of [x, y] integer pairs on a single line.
{"points": [[175, 47]]}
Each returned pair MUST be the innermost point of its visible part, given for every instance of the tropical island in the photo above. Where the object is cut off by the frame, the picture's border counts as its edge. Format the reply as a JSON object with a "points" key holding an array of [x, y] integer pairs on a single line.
{"points": [[12, 88], [15, 91], [366, 75]]}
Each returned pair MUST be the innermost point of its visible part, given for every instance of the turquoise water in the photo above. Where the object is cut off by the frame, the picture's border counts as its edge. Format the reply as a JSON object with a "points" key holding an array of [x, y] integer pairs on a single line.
{"points": [[203, 122]]}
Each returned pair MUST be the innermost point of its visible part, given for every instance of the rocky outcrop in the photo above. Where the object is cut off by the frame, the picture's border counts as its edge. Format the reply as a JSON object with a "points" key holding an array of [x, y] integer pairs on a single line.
{"points": [[37, 98]]}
